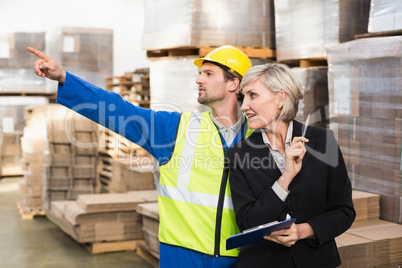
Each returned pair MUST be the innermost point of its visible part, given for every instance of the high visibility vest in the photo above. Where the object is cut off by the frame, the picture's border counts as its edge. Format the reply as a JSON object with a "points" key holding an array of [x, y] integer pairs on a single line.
{"points": [[195, 204]]}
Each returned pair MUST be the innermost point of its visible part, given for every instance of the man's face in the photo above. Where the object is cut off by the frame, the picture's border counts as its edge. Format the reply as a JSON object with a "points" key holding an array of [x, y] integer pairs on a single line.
{"points": [[211, 84]]}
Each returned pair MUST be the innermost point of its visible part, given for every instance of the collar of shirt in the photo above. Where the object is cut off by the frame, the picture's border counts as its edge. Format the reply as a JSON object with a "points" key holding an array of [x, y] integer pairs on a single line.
{"points": [[288, 139], [229, 133]]}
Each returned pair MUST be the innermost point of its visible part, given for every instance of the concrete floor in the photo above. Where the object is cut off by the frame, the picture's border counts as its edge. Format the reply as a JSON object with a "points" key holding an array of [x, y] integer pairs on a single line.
{"points": [[38, 243]]}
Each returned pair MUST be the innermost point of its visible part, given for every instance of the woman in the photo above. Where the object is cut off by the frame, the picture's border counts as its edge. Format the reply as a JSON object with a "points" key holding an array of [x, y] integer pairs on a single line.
{"points": [[277, 174]]}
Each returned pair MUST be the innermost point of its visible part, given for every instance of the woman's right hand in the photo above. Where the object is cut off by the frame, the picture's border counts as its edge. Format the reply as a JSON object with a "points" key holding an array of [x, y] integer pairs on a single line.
{"points": [[293, 161], [47, 67]]}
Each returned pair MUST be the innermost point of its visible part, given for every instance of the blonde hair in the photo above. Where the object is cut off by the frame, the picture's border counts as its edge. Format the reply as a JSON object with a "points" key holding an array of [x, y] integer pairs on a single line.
{"points": [[277, 77]]}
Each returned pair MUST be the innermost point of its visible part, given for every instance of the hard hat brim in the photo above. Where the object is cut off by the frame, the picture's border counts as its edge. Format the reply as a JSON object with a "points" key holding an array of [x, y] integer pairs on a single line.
{"points": [[198, 62]]}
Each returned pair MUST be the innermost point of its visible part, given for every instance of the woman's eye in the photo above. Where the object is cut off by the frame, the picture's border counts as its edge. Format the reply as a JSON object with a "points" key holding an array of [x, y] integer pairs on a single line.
{"points": [[252, 95]]}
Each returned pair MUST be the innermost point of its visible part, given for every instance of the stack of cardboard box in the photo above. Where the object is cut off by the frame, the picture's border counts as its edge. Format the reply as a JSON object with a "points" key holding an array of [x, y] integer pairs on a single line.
{"points": [[101, 217], [132, 174], [10, 154], [71, 156], [365, 92], [150, 223], [33, 145], [370, 242]]}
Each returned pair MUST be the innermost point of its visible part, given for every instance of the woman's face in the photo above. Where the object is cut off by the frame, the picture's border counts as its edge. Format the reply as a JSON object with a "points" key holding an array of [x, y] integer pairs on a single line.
{"points": [[261, 106]]}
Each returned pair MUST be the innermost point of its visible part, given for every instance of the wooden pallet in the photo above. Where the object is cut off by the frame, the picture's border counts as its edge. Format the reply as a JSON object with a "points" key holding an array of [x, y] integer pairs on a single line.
{"points": [[132, 89], [28, 213], [114, 246], [304, 63], [252, 52], [148, 255], [379, 34], [50, 96]]}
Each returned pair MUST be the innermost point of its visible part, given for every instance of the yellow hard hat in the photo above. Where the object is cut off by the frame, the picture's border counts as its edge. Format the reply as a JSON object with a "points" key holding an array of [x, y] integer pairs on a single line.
{"points": [[229, 56]]}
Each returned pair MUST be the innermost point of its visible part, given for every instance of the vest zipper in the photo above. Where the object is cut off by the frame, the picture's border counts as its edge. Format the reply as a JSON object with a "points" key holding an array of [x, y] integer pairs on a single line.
{"points": [[218, 223]]}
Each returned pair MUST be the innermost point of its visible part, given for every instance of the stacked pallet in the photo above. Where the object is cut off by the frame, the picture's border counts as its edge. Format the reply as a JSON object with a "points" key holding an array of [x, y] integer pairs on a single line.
{"points": [[190, 29], [304, 29], [87, 52], [370, 242], [102, 218], [121, 161], [33, 145], [16, 73], [71, 156], [365, 93], [132, 86], [190, 23]]}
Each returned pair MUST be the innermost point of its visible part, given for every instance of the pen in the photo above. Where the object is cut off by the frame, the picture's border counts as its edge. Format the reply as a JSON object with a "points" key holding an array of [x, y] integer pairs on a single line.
{"points": [[305, 126]]}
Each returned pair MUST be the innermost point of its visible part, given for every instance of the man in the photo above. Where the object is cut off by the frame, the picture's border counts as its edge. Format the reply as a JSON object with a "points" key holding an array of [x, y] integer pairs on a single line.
{"points": [[195, 206]]}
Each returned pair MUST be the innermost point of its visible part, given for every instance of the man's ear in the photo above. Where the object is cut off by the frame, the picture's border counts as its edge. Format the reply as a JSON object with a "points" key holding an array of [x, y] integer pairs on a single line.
{"points": [[234, 85]]}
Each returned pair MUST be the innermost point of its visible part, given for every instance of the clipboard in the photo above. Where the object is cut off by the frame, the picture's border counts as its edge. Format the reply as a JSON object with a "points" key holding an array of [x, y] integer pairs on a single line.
{"points": [[256, 234]]}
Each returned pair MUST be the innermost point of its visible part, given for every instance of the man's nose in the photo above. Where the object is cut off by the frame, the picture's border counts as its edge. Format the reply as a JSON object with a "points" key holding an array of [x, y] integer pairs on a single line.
{"points": [[199, 80]]}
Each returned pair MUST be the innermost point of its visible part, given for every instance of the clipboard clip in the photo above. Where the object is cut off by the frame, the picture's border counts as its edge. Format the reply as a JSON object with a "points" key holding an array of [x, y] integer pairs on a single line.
{"points": [[259, 227]]}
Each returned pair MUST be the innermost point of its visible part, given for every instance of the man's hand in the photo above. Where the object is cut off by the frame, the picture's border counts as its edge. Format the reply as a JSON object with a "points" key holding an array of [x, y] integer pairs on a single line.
{"points": [[47, 67]]}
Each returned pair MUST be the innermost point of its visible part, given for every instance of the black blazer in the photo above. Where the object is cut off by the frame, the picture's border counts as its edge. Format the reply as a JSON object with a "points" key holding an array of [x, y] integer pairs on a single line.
{"points": [[320, 194]]}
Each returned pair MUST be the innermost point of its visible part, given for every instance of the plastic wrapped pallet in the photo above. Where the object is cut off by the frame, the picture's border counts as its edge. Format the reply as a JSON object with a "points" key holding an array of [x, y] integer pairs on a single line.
{"points": [[305, 28], [16, 62], [365, 95], [314, 82], [173, 85], [385, 15], [181, 23], [87, 52]]}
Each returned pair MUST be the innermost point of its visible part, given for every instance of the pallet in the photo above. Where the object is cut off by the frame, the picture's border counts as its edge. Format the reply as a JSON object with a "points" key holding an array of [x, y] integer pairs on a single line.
{"points": [[379, 34], [50, 96], [114, 246], [252, 52], [28, 213], [304, 63], [148, 255]]}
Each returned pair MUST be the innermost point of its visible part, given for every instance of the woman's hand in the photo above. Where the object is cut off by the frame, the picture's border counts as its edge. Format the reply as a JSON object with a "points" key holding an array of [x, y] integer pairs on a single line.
{"points": [[288, 237], [293, 161]]}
